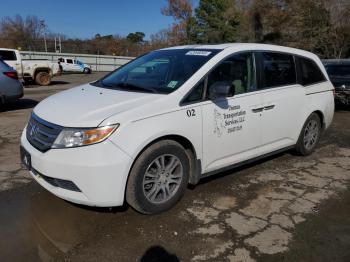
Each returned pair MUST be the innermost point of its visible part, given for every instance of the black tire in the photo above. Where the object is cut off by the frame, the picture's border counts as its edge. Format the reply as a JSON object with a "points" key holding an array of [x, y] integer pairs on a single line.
{"points": [[28, 81], [135, 191], [302, 147], [87, 70], [43, 78]]}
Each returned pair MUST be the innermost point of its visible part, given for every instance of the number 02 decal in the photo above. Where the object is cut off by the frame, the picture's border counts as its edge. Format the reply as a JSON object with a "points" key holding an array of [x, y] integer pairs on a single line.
{"points": [[191, 112]]}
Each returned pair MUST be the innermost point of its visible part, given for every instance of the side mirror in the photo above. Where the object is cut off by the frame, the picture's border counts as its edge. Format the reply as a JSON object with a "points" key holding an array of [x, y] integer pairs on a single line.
{"points": [[221, 89]]}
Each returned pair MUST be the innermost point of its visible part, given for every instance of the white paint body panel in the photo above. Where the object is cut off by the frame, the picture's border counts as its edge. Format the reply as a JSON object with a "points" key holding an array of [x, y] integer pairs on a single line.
{"points": [[101, 170]]}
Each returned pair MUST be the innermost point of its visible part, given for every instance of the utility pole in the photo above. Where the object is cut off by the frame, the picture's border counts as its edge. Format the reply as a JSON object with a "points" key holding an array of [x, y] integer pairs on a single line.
{"points": [[59, 41], [43, 30]]}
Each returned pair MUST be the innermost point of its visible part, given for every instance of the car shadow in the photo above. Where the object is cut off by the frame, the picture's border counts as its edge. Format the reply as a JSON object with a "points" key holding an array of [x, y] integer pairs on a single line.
{"points": [[158, 254], [342, 107], [23, 103], [114, 210], [54, 82]]}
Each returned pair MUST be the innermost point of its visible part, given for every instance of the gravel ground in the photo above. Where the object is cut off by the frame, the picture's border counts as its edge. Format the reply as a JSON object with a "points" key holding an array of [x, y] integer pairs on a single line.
{"points": [[286, 207]]}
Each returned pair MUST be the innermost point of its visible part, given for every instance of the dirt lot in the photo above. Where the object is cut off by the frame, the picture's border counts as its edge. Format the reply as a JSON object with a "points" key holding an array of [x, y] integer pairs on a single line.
{"points": [[284, 208]]}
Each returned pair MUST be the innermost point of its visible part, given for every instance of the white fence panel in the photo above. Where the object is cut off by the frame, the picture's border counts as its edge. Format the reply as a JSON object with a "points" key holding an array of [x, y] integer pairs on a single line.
{"points": [[97, 62]]}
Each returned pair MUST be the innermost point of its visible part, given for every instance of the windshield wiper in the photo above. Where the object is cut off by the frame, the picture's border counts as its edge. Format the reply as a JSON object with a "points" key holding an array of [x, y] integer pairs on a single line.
{"points": [[130, 86]]}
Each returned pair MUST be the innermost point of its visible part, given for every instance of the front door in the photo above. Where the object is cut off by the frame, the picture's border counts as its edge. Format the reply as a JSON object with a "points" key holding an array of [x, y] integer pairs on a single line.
{"points": [[231, 126]]}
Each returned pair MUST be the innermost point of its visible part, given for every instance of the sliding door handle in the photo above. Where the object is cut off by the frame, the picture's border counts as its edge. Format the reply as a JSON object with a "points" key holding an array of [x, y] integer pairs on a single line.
{"points": [[257, 110], [269, 107]]}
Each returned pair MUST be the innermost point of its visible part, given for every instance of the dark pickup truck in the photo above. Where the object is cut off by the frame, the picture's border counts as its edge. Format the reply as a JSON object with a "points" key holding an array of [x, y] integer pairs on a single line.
{"points": [[339, 74]]}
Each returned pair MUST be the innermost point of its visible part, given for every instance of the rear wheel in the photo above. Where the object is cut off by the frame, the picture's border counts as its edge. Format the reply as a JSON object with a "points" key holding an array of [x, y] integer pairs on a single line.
{"points": [[158, 178], [43, 78], [309, 136]]}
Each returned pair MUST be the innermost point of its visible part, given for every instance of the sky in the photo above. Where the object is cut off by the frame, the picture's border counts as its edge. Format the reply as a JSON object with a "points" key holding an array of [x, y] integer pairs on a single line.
{"points": [[85, 18]]}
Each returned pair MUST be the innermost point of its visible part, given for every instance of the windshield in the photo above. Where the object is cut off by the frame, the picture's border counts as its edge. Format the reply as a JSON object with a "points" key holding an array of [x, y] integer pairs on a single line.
{"points": [[161, 71], [338, 70]]}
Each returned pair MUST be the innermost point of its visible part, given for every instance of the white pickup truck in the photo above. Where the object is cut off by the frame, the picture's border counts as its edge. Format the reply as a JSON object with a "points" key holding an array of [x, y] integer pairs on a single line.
{"points": [[41, 71], [74, 65]]}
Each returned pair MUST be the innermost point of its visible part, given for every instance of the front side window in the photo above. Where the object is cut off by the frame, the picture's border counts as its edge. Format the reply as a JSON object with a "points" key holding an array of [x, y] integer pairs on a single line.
{"points": [[310, 73], [277, 69], [69, 61], [161, 71], [196, 94], [8, 55], [237, 69]]}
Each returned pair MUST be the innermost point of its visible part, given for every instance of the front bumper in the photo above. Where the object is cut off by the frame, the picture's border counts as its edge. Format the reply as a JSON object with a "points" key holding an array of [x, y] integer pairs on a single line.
{"points": [[342, 96], [99, 171]]}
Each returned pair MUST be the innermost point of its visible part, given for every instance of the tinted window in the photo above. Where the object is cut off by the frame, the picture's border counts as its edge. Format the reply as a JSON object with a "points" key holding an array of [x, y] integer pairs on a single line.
{"points": [[238, 69], [338, 70], [310, 73], [196, 94], [277, 69], [8, 55], [69, 61], [161, 71]]}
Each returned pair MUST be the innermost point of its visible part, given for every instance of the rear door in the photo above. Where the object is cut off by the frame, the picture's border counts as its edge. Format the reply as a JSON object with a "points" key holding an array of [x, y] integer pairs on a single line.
{"points": [[69, 65], [283, 100]]}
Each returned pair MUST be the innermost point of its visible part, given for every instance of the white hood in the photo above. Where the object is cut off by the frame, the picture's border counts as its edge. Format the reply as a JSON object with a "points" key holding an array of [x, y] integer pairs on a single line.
{"points": [[88, 106]]}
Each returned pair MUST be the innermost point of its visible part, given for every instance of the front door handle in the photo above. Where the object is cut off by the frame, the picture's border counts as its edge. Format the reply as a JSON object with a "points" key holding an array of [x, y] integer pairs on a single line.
{"points": [[269, 107], [257, 110]]}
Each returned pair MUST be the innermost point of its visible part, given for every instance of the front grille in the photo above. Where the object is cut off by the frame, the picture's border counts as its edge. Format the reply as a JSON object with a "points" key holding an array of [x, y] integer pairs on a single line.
{"points": [[41, 134]]}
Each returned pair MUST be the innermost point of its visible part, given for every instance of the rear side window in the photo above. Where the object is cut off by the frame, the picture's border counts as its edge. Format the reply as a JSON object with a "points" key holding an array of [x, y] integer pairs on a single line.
{"points": [[69, 61], [277, 69], [8, 55], [310, 73]]}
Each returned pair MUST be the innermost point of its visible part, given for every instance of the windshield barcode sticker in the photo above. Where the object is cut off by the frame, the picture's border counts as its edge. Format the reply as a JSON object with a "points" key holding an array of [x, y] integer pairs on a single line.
{"points": [[200, 53]]}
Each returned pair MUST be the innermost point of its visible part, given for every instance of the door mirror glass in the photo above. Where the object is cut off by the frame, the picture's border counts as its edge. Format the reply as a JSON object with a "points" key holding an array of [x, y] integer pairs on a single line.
{"points": [[221, 89]]}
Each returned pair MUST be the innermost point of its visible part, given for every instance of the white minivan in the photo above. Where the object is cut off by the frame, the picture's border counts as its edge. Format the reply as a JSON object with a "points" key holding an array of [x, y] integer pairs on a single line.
{"points": [[145, 131]]}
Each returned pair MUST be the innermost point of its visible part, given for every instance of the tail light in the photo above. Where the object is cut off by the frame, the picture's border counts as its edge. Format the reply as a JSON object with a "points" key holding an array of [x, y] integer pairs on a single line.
{"points": [[12, 75]]}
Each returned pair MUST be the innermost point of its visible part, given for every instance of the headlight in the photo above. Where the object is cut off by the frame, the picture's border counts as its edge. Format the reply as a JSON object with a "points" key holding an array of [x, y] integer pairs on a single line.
{"points": [[74, 137]]}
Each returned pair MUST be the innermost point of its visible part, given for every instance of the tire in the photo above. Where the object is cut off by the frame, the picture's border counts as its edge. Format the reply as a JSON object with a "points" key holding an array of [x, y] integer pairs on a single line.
{"points": [[27, 81], [309, 135], [43, 78], [87, 70], [154, 187]]}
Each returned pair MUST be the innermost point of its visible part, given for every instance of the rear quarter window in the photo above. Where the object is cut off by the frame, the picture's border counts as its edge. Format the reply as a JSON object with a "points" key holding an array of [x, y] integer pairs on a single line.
{"points": [[309, 72], [8, 55]]}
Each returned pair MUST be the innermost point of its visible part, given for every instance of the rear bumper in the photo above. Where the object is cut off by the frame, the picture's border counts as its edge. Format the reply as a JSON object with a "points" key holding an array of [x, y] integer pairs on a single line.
{"points": [[10, 98], [14, 97], [99, 172]]}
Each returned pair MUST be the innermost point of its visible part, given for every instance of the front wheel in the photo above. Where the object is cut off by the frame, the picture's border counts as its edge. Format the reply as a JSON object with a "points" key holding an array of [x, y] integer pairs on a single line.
{"points": [[158, 178], [309, 136], [87, 70]]}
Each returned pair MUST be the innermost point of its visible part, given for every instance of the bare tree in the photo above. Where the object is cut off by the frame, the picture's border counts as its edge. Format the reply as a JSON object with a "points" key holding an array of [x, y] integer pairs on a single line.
{"points": [[21, 33]]}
